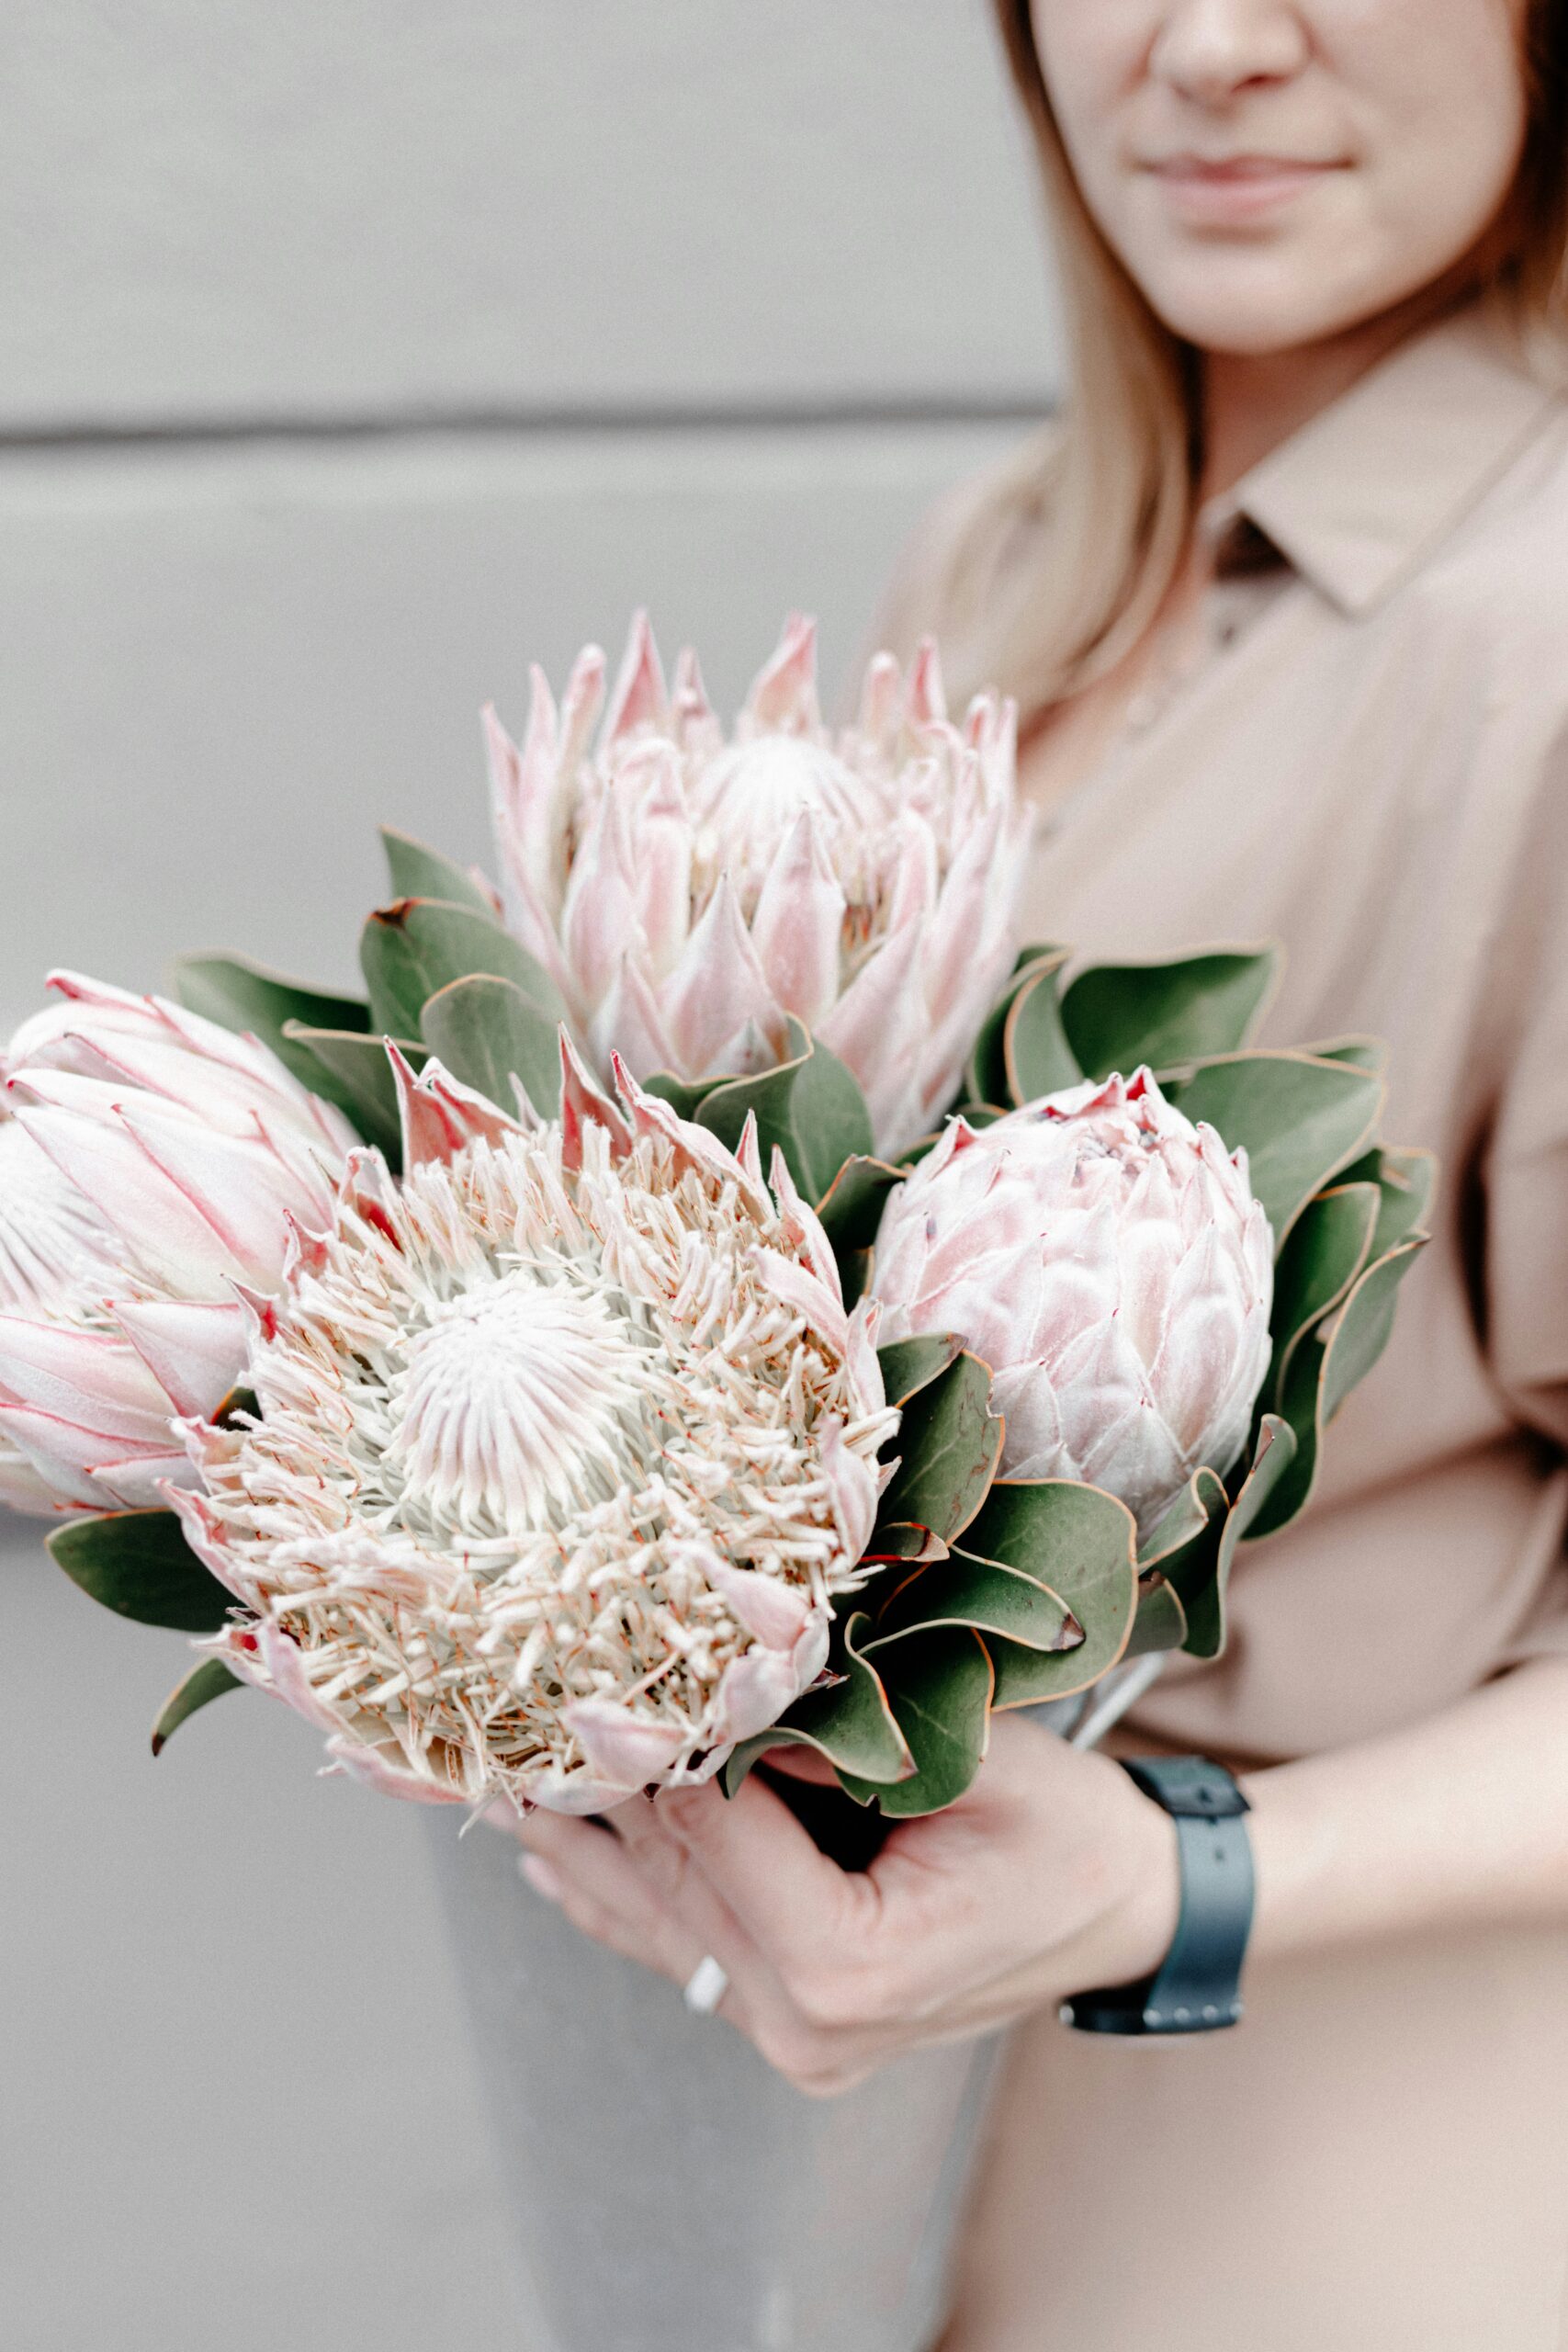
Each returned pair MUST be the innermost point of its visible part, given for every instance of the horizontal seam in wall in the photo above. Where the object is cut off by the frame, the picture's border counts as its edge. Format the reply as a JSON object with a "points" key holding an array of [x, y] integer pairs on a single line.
{"points": [[414, 423]]}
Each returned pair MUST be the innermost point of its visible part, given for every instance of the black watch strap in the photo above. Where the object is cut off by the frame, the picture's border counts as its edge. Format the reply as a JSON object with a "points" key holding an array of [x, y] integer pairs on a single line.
{"points": [[1197, 1987]]}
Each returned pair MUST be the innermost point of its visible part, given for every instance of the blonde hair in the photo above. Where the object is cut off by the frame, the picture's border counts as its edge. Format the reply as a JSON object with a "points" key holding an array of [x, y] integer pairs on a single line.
{"points": [[1075, 544]]}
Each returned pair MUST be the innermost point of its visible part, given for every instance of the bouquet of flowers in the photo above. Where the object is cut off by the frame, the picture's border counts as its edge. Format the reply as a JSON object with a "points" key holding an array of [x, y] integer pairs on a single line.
{"points": [[714, 1292]]}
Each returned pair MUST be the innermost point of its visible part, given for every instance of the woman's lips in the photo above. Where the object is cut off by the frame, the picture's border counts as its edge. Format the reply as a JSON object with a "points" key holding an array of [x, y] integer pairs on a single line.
{"points": [[1239, 189]]}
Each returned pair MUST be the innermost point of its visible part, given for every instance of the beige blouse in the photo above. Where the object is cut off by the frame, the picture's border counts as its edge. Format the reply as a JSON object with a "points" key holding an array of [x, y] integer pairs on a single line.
{"points": [[1370, 764]]}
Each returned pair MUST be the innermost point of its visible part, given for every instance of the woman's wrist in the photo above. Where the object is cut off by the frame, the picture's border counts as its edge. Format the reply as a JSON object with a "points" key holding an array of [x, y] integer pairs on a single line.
{"points": [[1139, 1928]]}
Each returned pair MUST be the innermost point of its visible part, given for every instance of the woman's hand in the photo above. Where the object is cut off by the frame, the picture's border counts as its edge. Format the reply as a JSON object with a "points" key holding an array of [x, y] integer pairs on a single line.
{"points": [[1053, 1874]]}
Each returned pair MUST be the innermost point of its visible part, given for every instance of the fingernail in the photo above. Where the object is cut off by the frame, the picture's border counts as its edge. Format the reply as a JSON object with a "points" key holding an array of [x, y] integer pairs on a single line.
{"points": [[540, 1876]]}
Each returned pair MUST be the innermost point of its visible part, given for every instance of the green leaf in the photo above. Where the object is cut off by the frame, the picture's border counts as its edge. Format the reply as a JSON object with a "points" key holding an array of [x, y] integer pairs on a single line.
{"points": [[909, 1364], [420, 873], [1362, 1331], [1185, 1550], [1297, 1120], [830, 1122], [413, 948], [1161, 1621], [939, 1685], [138, 1564], [1210, 1525], [1119, 1015], [1361, 1053], [1037, 1057], [1324, 1368], [1323, 1252], [808, 1107], [244, 996], [1078, 1543], [487, 1032], [683, 1098], [851, 1208], [1407, 1181], [966, 1591], [1272, 1460], [361, 1078], [851, 1725], [202, 1686], [987, 1077], [949, 1442]]}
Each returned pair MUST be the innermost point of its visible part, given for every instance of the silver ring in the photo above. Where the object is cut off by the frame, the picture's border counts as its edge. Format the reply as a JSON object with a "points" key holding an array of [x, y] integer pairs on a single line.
{"points": [[705, 1987]]}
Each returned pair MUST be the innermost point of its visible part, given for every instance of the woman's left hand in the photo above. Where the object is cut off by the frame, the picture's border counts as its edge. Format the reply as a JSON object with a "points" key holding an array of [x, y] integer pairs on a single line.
{"points": [[1052, 1876]]}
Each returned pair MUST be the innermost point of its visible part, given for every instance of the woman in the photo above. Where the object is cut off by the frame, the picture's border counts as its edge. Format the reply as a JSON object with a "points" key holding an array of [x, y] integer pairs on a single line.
{"points": [[1286, 603]]}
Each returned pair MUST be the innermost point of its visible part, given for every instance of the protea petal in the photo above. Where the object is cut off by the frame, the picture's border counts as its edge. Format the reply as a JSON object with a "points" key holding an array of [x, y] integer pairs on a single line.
{"points": [[639, 699], [783, 692], [797, 930], [718, 986]]}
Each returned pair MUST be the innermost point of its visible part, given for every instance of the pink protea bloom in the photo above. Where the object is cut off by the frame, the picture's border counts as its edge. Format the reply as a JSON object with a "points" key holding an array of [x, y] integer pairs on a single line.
{"points": [[688, 892], [149, 1162], [1106, 1257], [566, 1441]]}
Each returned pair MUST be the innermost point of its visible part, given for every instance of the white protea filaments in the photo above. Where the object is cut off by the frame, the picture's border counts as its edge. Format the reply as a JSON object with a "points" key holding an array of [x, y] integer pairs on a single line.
{"points": [[688, 893], [1106, 1258], [149, 1159], [564, 1443]]}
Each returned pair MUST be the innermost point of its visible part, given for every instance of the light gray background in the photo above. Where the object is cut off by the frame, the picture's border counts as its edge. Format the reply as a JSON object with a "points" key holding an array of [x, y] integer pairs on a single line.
{"points": [[351, 355]]}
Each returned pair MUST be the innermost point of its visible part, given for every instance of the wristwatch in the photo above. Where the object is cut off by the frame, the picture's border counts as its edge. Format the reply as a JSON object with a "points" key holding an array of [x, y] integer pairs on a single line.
{"points": [[1196, 1987]]}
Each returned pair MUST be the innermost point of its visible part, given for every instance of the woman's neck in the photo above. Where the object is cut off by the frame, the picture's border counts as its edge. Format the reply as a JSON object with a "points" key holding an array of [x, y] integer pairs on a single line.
{"points": [[1254, 402]]}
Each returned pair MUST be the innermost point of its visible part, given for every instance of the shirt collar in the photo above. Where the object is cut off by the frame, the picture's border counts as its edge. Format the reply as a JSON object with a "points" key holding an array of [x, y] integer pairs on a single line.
{"points": [[1360, 498]]}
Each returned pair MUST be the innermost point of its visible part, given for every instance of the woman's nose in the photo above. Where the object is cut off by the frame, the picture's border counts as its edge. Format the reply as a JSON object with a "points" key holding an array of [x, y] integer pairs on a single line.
{"points": [[1209, 50]]}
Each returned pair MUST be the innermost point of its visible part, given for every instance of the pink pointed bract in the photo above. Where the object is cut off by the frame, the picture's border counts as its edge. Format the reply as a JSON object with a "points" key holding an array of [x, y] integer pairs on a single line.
{"points": [[150, 1162], [1106, 1258], [689, 891]]}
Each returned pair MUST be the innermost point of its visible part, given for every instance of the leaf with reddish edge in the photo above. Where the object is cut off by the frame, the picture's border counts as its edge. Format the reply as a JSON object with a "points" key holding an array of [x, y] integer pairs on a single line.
{"points": [[354, 1072], [949, 1442], [907, 1542], [851, 1725], [487, 1033], [1323, 1371], [418, 872], [1160, 1622], [200, 1687], [1196, 1559], [808, 1107], [1076, 1541], [1117, 1016], [1037, 1057], [986, 1078], [1325, 1252], [254, 1002], [909, 1365], [1300, 1121], [939, 1685], [983, 1595], [138, 1563], [412, 949], [683, 1098]]}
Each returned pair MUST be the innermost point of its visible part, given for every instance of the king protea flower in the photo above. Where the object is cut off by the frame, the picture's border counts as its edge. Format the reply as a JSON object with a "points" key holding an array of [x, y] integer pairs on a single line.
{"points": [[1106, 1257], [148, 1161], [687, 893], [564, 1443]]}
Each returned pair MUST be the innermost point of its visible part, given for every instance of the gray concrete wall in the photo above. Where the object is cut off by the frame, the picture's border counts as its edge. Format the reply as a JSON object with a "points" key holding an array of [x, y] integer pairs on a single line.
{"points": [[351, 357]]}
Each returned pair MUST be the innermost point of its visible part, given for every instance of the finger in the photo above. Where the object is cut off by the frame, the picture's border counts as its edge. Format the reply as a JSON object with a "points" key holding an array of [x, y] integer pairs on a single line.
{"points": [[683, 1891], [754, 1855], [595, 1882]]}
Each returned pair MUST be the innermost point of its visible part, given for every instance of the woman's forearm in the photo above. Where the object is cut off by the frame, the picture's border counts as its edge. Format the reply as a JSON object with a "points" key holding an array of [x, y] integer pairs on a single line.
{"points": [[1459, 1819]]}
